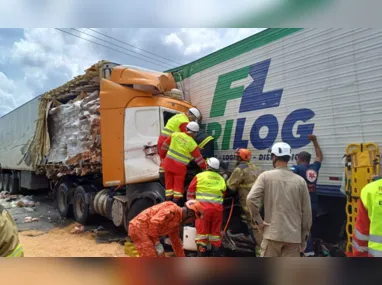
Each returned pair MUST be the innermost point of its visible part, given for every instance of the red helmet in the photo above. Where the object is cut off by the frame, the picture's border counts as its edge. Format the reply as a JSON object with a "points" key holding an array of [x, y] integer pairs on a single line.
{"points": [[244, 154], [196, 207]]}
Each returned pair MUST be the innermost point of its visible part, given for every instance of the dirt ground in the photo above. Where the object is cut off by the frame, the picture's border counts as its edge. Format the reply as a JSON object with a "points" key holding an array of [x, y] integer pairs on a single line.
{"points": [[59, 242]]}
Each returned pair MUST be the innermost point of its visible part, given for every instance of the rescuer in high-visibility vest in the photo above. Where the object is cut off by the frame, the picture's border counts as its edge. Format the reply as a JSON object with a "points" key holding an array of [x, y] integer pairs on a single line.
{"points": [[209, 189], [9, 236], [206, 145], [177, 123], [177, 152], [367, 237], [241, 181]]}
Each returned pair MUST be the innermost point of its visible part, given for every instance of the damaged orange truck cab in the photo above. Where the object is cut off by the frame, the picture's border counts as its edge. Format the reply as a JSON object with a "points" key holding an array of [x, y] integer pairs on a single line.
{"points": [[135, 105]]}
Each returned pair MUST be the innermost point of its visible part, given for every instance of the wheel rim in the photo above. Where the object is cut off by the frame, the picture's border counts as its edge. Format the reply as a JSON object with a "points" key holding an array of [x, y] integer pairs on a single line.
{"points": [[80, 205]]}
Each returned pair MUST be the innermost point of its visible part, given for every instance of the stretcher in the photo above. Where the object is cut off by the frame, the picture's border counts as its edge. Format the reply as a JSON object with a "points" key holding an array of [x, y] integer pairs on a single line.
{"points": [[362, 162]]}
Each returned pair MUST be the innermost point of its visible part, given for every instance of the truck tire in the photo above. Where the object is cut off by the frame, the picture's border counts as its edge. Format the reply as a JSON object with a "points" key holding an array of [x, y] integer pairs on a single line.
{"points": [[63, 206], [80, 207], [14, 185], [1, 182], [137, 207]]}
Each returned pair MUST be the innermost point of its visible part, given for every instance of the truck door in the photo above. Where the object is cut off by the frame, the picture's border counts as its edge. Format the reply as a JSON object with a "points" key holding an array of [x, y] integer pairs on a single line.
{"points": [[142, 127]]}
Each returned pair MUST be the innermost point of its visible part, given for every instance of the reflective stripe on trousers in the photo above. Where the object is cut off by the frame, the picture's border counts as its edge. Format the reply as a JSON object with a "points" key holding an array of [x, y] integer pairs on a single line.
{"points": [[169, 192], [201, 237], [17, 252], [214, 238]]}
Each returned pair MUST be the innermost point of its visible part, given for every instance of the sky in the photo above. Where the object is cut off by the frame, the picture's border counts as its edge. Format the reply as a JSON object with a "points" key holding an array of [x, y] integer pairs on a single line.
{"points": [[33, 61]]}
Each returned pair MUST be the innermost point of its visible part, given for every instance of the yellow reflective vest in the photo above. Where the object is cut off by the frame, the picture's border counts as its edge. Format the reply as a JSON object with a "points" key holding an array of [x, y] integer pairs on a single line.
{"points": [[181, 147], [371, 197], [174, 123], [210, 187]]}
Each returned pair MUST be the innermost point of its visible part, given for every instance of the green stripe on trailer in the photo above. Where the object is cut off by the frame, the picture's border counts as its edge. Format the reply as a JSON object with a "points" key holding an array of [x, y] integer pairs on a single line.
{"points": [[258, 40]]}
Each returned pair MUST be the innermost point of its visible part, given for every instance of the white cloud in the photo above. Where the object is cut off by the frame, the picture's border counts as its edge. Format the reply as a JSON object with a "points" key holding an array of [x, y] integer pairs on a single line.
{"points": [[173, 39], [203, 41], [43, 59], [44, 52], [7, 88]]}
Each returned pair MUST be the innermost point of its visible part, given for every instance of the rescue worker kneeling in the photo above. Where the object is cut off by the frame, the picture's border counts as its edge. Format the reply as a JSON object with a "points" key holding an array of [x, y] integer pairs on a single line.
{"points": [[178, 150], [162, 219], [9, 236], [209, 188]]}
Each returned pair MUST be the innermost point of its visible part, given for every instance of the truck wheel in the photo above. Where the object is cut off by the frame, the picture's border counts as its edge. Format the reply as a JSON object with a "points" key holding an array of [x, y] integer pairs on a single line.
{"points": [[80, 208], [138, 206], [64, 208], [14, 185]]}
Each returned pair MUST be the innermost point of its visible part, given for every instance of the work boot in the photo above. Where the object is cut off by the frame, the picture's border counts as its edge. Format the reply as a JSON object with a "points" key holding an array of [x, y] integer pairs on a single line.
{"points": [[202, 251], [216, 251]]}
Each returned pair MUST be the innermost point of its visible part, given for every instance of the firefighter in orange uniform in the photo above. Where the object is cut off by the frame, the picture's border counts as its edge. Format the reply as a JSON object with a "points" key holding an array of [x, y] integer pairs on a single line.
{"points": [[177, 151], [177, 123], [161, 220], [209, 188], [367, 237]]}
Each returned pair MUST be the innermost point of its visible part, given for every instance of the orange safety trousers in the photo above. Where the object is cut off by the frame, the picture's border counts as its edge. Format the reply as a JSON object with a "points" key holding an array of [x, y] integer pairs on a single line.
{"points": [[174, 184], [208, 229], [142, 242], [174, 176]]}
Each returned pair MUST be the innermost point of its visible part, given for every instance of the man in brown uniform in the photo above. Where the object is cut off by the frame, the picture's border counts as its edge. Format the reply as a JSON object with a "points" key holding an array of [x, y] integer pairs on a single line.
{"points": [[288, 215], [242, 180], [9, 236]]}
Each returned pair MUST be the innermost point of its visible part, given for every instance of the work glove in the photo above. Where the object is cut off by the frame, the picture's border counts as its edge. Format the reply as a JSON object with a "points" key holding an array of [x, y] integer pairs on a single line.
{"points": [[160, 249]]}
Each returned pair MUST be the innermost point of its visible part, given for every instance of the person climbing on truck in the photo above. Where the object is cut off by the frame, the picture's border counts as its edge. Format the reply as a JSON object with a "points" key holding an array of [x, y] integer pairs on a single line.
{"points": [[288, 214], [160, 220], [241, 181], [177, 152], [9, 236], [209, 189], [309, 171], [206, 145], [177, 123]]}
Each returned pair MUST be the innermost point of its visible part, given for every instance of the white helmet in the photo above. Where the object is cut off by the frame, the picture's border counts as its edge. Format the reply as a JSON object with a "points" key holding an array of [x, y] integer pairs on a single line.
{"points": [[213, 163], [281, 149], [195, 112], [192, 127]]}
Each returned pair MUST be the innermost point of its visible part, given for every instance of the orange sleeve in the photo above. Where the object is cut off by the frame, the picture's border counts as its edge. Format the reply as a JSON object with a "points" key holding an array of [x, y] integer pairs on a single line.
{"points": [[199, 158], [176, 243], [192, 189], [361, 232]]}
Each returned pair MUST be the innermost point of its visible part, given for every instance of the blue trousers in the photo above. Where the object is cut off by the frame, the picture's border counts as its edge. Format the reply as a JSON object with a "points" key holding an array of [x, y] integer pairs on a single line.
{"points": [[309, 244]]}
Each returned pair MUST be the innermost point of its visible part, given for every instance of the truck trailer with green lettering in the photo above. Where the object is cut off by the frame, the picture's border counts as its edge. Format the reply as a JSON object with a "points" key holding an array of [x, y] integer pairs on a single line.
{"points": [[284, 84]]}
